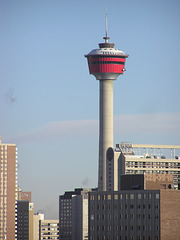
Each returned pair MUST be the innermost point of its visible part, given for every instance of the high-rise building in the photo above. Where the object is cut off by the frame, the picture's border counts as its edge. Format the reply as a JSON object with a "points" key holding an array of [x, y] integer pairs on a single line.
{"points": [[23, 220], [8, 188], [80, 215], [26, 197], [31, 220], [73, 214], [106, 64]]}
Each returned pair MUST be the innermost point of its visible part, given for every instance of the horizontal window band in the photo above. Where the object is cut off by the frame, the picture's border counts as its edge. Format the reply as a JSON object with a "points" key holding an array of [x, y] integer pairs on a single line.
{"points": [[106, 62], [106, 56]]}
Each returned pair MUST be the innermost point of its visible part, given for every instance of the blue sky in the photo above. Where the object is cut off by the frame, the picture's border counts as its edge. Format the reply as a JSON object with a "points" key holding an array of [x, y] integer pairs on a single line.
{"points": [[49, 102]]}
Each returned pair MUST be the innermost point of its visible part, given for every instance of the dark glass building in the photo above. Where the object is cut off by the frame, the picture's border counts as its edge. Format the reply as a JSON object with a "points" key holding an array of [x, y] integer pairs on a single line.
{"points": [[23, 220], [124, 215]]}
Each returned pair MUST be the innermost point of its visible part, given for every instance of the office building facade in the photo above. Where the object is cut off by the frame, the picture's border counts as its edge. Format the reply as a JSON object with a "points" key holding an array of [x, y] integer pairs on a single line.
{"points": [[134, 215], [124, 215], [23, 220], [73, 214]]}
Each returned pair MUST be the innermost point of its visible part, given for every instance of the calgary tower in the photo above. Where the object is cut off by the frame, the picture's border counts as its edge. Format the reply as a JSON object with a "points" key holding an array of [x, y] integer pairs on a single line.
{"points": [[106, 63]]}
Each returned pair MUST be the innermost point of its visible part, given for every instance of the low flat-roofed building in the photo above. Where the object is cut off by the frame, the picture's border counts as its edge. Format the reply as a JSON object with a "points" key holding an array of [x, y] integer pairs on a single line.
{"points": [[48, 229]]}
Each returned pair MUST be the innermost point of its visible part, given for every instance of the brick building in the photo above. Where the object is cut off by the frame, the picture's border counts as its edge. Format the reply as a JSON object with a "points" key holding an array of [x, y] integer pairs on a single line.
{"points": [[8, 188]]}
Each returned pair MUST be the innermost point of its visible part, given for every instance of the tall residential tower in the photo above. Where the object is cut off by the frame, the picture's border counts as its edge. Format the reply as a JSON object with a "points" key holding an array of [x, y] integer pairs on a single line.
{"points": [[106, 64], [8, 188]]}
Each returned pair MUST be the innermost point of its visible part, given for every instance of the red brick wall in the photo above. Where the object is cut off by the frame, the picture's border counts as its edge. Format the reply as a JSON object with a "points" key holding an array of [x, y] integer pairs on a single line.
{"points": [[11, 166], [170, 214]]}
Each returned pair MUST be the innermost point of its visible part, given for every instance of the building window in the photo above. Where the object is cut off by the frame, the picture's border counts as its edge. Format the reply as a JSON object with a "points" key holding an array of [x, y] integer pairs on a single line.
{"points": [[115, 228], [139, 196], [156, 206], [92, 197], [115, 206], [116, 197], [164, 186], [108, 197], [157, 195], [131, 196]]}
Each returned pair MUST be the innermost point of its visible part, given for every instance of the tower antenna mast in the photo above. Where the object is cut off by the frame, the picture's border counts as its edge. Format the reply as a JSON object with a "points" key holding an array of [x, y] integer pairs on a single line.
{"points": [[106, 23]]}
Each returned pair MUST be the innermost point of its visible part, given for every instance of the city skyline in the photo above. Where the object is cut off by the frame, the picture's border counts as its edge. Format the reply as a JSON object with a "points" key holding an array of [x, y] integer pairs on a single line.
{"points": [[49, 102]]}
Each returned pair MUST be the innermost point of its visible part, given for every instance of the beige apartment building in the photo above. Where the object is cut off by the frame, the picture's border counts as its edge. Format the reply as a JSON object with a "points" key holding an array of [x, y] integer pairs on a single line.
{"points": [[8, 188], [37, 218], [162, 159], [129, 158], [48, 229]]}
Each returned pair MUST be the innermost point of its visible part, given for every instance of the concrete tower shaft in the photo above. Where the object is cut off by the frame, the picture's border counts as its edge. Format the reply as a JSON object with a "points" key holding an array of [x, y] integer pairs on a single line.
{"points": [[106, 64], [105, 128]]}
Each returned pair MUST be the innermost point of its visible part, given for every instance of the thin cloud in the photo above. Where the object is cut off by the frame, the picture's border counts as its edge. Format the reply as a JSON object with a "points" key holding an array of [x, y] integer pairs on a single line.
{"points": [[148, 123], [58, 131], [123, 124]]}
